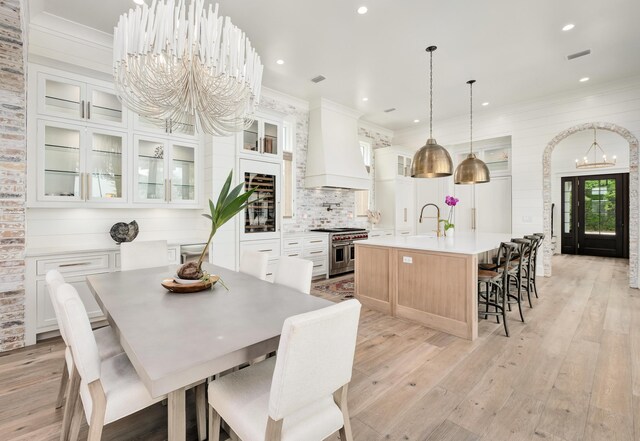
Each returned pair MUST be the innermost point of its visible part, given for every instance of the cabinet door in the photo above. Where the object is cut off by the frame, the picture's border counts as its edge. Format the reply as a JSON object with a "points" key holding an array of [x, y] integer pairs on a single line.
{"points": [[498, 160], [60, 162], [61, 97], [493, 202], [151, 125], [263, 137], [45, 314], [104, 107], [261, 220], [251, 137], [183, 173], [150, 165], [106, 166], [405, 204], [270, 138], [464, 211]]}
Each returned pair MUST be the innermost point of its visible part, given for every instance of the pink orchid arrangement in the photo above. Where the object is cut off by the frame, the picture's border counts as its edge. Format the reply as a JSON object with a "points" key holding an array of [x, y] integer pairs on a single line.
{"points": [[451, 201]]}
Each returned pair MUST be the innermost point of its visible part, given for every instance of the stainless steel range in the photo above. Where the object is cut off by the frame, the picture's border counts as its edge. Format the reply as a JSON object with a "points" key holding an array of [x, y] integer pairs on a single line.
{"points": [[342, 251]]}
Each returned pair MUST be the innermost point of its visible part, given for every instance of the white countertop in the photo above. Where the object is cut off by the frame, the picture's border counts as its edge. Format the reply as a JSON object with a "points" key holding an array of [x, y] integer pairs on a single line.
{"points": [[459, 243], [94, 248], [303, 234]]}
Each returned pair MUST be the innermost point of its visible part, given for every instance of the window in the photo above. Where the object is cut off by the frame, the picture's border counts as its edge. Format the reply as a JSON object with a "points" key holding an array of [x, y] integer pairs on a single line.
{"points": [[288, 169]]}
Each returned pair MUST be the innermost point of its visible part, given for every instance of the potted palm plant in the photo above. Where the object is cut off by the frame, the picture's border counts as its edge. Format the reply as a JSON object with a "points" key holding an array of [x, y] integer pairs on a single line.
{"points": [[230, 202]]}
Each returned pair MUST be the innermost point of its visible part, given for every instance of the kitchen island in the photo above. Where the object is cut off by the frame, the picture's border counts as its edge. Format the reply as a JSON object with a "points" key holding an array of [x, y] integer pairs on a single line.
{"points": [[430, 280]]}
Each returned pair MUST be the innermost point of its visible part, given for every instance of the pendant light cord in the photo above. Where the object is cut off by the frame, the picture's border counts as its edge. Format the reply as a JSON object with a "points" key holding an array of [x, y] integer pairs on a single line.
{"points": [[471, 118], [431, 95]]}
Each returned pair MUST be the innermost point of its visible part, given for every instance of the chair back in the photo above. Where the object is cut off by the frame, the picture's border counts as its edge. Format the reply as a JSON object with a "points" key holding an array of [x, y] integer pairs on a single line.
{"points": [[54, 279], [524, 247], [294, 273], [145, 254], [254, 263], [315, 357], [506, 251], [75, 320]]}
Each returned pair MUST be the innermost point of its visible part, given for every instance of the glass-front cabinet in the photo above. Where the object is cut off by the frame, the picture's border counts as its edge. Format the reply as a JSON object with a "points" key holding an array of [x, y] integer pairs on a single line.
{"points": [[163, 127], [261, 219], [80, 164], [76, 100], [165, 171], [263, 137], [404, 165]]}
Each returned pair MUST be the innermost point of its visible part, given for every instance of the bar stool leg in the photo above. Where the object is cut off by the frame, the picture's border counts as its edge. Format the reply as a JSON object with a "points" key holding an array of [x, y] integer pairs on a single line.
{"points": [[504, 309]]}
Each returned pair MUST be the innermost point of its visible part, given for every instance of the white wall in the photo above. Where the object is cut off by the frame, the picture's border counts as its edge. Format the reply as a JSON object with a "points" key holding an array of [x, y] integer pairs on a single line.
{"points": [[532, 125]]}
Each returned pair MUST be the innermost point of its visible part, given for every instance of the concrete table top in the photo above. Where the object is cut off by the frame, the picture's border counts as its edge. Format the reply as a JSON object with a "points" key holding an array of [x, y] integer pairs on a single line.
{"points": [[174, 340]]}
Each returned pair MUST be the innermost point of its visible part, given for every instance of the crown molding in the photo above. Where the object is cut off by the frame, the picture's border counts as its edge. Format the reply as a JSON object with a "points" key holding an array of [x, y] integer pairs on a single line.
{"points": [[284, 98], [375, 128], [71, 30]]}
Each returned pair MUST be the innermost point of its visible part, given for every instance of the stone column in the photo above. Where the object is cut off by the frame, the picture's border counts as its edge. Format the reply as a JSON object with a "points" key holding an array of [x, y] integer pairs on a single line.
{"points": [[12, 175]]}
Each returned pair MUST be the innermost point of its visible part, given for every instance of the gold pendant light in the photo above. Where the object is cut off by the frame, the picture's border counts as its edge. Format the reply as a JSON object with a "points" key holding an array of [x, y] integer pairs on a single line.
{"points": [[472, 170], [431, 160]]}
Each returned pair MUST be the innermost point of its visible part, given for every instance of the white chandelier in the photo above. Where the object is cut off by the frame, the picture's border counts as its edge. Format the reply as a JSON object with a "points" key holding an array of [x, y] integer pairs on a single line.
{"points": [[599, 157], [186, 67]]}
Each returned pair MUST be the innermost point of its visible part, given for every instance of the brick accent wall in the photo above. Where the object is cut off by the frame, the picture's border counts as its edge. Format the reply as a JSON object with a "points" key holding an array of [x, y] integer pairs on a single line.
{"points": [[12, 175]]}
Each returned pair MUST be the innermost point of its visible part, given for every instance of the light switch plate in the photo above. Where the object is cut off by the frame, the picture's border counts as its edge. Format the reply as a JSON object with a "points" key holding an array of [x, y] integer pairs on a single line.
{"points": [[407, 259]]}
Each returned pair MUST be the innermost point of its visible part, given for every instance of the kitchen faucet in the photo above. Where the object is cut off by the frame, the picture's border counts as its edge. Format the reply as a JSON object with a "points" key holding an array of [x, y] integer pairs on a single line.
{"points": [[438, 231]]}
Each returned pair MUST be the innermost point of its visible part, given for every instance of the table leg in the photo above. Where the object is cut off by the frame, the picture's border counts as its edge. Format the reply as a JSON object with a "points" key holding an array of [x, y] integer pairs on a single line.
{"points": [[177, 418]]}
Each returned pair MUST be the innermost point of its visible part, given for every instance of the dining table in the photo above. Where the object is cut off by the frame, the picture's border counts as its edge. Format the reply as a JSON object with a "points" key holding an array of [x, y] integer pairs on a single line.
{"points": [[177, 340]]}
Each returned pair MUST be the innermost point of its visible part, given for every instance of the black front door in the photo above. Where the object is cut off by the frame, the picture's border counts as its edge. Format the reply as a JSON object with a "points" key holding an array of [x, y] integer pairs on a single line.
{"points": [[595, 212]]}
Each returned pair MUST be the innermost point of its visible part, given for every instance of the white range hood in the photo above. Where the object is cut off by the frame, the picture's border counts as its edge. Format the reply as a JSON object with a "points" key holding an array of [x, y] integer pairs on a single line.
{"points": [[333, 157]]}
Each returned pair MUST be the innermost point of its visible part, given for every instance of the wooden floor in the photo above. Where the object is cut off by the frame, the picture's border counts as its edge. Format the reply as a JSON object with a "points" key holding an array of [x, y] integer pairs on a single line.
{"points": [[572, 372]]}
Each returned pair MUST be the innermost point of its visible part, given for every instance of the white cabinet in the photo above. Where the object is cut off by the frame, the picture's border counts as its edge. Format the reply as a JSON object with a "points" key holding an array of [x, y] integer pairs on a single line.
{"points": [[313, 247], [165, 171], [496, 153], [78, 163], [484, 207], [395, 190], [432, 191], [40, 316], [74, 98], [163, 127], [380, 233], [263, 139]]}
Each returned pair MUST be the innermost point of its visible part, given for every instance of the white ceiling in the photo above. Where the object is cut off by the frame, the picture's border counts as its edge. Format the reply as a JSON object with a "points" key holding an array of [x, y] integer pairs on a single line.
{"points": [[514, 49]]}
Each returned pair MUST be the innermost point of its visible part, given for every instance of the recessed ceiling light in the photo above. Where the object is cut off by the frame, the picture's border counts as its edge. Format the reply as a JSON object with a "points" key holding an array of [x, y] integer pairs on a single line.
{"points": [[365, 99], [416, 120], [279, 61], [584, 79], [139, 2], [568, 27], [486, 103], [362, 10]]}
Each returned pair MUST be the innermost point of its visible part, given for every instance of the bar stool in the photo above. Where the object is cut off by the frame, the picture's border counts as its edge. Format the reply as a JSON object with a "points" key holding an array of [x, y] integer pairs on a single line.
{"points": [[496, 284], [534, 259], [519, 273]]}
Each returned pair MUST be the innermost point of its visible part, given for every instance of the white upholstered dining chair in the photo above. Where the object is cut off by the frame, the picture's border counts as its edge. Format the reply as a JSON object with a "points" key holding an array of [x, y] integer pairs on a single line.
{"points": [[106, 340], [294, 273], [143, 254], [301, 394], [254, 263]]}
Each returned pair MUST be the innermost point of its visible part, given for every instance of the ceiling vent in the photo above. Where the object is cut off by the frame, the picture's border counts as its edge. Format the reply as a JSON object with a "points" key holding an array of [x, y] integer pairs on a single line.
{"points": [[318, 79], [578, 54], [390, 110]]}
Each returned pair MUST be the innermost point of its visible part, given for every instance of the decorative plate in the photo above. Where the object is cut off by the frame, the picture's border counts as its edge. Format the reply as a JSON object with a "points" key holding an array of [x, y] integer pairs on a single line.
{"points": [[123, 232]]}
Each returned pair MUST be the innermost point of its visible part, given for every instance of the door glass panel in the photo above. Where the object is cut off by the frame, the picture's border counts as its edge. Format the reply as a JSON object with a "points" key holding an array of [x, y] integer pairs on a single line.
{"points": [[106, 166], [566, 222], [183, 181], [61, 162], [270, 139], [400, 166], [62, 98], [184, 128], [600, 206], [339, 255], [150, 173], [497, 159], [250, 137], [105, 106], [260, 216]]}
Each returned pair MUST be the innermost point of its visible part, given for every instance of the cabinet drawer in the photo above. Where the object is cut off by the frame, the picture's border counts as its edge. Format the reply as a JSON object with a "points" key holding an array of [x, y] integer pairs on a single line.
{"points": [[292, 243], [312, 252], [271, 270], [319, 241], [271, 247], [293, 252], [319, 265], [84, 263]]}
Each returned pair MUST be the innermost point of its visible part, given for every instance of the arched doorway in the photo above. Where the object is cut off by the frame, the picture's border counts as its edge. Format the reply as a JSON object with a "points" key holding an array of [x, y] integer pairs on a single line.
{"points": [[633, 193]]}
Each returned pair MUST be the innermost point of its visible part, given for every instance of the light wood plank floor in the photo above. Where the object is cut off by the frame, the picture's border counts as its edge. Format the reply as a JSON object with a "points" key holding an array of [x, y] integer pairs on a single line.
{"points": [[572, 372]]}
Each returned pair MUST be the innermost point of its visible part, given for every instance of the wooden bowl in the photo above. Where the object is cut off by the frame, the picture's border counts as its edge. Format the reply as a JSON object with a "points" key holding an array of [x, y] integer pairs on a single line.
{"points": [[178, 288]]}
